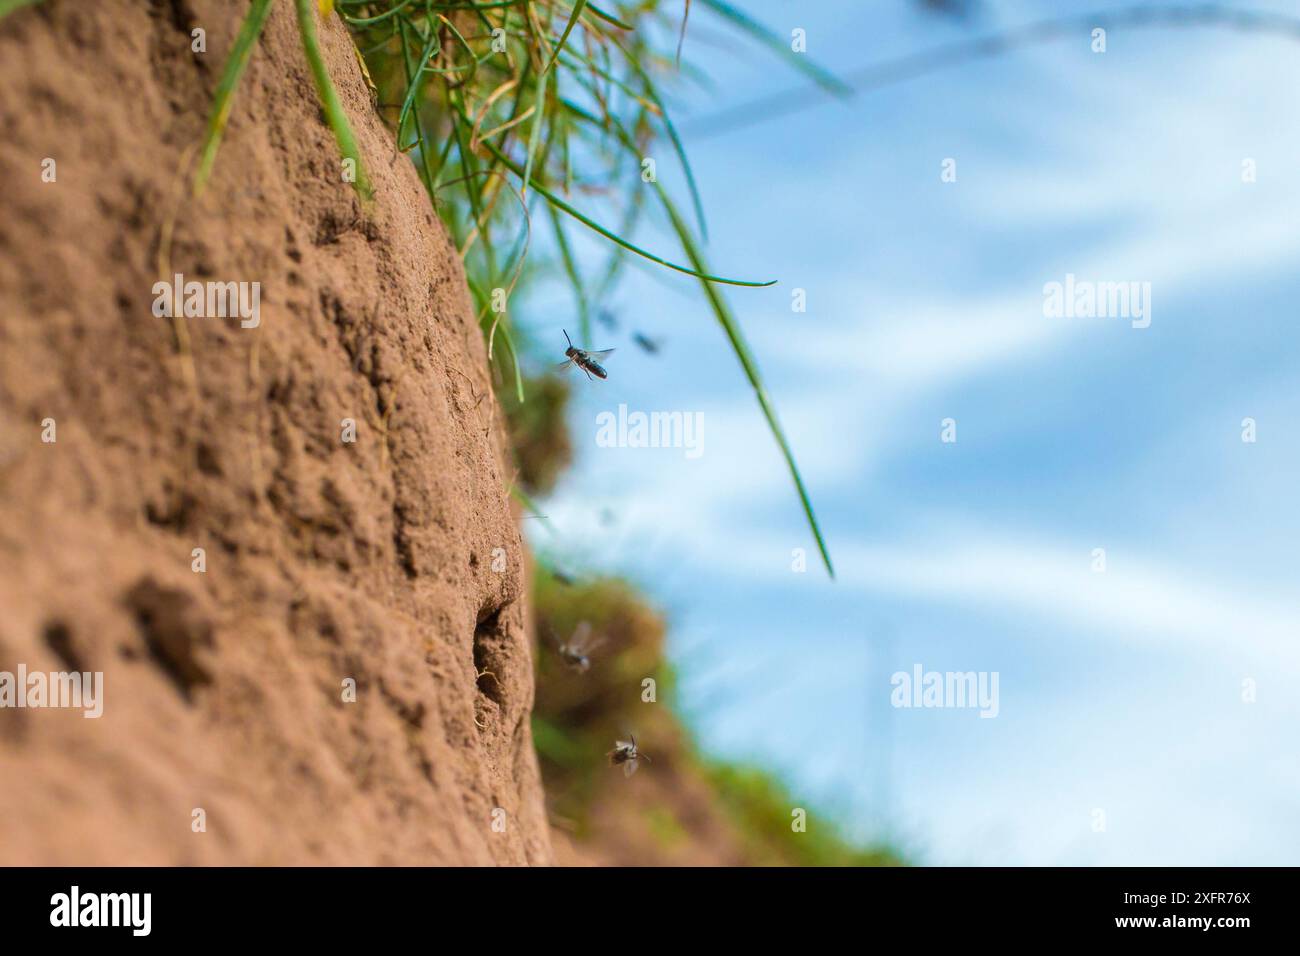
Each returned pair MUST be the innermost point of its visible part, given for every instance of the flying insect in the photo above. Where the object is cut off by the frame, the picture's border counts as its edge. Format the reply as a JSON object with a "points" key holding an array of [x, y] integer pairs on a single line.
{"points": [[626, 753], [589, 362], [576, 651]]}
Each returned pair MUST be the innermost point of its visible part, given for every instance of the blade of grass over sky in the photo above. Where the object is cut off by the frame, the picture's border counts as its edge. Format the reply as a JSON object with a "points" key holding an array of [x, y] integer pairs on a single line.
{"points": [[781, 46], [731, 327], [560, 204]]}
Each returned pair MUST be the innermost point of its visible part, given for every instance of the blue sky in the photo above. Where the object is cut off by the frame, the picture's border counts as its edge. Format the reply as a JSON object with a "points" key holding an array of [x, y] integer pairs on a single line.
{"points": [[1119, 691]]}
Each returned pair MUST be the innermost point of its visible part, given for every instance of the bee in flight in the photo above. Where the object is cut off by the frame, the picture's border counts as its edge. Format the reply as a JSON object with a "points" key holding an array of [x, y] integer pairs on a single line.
{"points": [[625, 753], [589, 362], [576, 652]]}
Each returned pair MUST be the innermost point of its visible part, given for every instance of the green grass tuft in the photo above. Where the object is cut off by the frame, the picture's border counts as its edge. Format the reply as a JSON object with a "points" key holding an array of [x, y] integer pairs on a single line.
{"points": [[469, 79], [562, 102]]}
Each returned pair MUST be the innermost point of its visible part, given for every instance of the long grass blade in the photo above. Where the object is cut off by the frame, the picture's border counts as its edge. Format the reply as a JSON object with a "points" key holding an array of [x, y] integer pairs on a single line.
{"points": [[568, 28], [728, 322], [575, 277], [779, 44], [535, 137], [236, 63], [738, 344], [678, 148], [329, 97], [609, 17], [597, 227]]}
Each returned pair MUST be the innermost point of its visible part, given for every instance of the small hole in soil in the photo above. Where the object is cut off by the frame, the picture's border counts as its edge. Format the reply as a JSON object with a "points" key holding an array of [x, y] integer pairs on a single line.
{"points": [[59, 638], [489, 656]]}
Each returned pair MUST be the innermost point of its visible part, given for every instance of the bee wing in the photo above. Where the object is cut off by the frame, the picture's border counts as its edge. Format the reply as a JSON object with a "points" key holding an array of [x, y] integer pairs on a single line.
{"points": [[629, 768], [601, 355], [581, 635], [585, 640], [561, 366]]}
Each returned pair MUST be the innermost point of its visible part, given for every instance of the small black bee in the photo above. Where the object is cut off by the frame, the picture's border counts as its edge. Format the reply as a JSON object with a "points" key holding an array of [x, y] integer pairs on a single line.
{"points": [[626, 754], [589, 362]]}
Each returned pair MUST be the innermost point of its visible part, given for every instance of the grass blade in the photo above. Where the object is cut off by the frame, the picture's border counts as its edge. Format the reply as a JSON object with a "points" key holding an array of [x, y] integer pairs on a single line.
{"points": [[597, 227], [575, 277], [729, 325], [431, 47], [609, 17], [568, 28], [650, 99], [676, 141], [775, 42], [535, 137], [334, 114], [236, 63], [732, 329], [526, 500]]}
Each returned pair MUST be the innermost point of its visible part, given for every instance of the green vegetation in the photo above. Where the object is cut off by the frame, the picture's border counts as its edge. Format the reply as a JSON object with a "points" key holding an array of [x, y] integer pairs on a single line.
{"points": [[741, 813], [9, 6], [760, 805], [513, 107]]}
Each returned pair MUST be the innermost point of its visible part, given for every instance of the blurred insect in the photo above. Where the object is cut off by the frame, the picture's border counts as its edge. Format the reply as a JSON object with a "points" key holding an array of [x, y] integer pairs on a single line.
{"points": [[648, 345], [607, 319], [625, 753], [577, 651], [589, 362]]}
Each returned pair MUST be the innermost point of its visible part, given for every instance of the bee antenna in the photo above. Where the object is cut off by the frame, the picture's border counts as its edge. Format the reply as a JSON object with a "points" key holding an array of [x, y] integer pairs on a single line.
{"points": [[566, 337]]}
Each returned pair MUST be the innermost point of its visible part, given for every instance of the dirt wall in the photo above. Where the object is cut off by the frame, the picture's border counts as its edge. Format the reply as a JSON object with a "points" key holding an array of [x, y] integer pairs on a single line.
{"points": [[393, 560]]}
